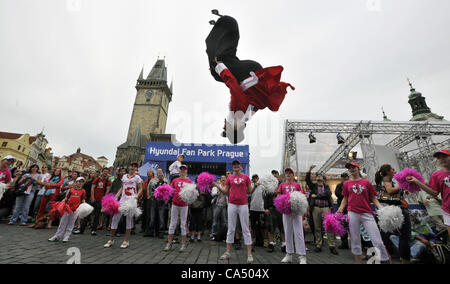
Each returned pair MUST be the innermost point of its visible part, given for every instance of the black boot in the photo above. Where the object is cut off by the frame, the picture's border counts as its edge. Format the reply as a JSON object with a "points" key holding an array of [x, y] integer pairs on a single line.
{"points": [[216, 12]]}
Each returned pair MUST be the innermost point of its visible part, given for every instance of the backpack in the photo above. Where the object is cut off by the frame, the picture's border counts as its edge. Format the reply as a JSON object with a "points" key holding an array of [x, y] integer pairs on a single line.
{"points": [[22, 187], [199, 202], [440, 254]]}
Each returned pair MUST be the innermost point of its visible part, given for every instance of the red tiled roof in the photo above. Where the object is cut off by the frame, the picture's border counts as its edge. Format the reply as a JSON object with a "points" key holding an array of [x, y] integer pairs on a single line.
{"points": [[13, 136], [8, 135]]}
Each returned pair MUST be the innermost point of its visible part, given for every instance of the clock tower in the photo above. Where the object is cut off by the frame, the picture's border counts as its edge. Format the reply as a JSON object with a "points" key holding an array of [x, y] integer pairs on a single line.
{"points": [[152, 102], [149, 116]]}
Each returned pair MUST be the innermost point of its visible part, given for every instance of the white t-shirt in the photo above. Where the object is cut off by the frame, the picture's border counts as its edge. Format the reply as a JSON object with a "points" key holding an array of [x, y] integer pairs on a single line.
{"points": [[44, 178], [130, 186], [174, 168]]}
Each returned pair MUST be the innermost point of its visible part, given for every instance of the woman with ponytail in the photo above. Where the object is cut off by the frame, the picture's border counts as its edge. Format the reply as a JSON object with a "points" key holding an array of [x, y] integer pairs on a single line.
{"points": [[390, 194]]}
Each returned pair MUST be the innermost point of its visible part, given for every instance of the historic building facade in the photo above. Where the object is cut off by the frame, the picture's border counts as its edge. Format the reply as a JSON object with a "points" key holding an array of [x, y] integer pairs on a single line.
{"points": [[149, 116], [78, 161], [27, 149]]}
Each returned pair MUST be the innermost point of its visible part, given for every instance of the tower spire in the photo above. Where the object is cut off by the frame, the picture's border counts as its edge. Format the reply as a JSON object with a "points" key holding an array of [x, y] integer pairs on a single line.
{"points": [[141, 75], [159, 71], [385, 118], [410, 84]]}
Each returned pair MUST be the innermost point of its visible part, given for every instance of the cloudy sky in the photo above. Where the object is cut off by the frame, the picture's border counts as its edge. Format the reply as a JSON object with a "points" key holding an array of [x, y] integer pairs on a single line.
{"points": [[71, 66]]}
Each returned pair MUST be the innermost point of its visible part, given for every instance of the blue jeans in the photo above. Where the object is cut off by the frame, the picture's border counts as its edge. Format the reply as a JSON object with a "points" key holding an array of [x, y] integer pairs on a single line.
{"points": [[219, 218], [157, 219], [22, 207], [417, 247]]}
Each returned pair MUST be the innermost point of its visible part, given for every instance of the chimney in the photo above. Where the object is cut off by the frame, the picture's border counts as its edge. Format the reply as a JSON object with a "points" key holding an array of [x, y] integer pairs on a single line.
{"points": [[78, 151]]}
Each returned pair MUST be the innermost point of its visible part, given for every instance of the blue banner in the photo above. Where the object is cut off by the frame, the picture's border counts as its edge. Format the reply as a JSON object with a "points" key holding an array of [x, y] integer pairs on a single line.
{"points": [[164, 151]]}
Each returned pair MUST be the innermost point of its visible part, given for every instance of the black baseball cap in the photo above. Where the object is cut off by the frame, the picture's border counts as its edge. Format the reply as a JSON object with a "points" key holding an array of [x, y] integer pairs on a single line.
{"points": [[184, 166]]}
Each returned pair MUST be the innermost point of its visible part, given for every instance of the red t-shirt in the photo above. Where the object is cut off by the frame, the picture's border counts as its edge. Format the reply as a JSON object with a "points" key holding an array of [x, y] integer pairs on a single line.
{"points": [[5, 176], [177, 184], [286, 187], [359, 194], [75, 197], [100, 188], [238, 189], [440, 182]]}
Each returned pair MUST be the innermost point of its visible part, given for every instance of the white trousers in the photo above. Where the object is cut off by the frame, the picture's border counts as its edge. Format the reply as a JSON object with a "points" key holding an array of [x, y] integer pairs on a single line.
{"points": [[371, 227], [293, 230], [233, 212], [116, 219], [182, 212], [66, 225]]}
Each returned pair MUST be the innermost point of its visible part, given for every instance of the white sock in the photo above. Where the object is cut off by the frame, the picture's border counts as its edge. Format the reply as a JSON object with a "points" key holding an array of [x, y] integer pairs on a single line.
{"points": [[283, 244]]}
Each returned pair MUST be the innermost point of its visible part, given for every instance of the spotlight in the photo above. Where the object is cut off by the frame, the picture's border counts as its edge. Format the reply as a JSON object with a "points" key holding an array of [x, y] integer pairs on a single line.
{"points": [[340, 139], [352, 155], [312, 139]]}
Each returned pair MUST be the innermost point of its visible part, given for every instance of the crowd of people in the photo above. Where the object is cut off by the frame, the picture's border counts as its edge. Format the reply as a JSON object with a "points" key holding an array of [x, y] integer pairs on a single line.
{"points": [[238, 207]]}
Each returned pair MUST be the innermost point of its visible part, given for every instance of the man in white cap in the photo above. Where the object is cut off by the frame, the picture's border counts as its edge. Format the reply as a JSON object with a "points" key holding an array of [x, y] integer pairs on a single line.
{"points": [[174, 168], [5, 173]]}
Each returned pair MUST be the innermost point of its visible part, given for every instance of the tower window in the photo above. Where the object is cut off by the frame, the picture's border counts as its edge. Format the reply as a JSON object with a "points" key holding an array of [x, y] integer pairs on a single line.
{"points": [[19, 147], [4, 144]]}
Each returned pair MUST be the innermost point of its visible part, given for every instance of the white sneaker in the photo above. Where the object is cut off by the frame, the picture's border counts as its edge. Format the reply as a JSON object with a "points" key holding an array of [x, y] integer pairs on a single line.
{"points": [[225, 256], [287, 259], [168, 247], [53, 239], [109, 244], [302, 259], [250, 259], [65, 240], [124, 245], [183, 247]]}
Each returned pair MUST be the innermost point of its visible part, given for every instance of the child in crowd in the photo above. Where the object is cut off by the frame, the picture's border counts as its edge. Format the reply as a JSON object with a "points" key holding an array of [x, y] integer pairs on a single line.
{"points": [[75, 196]]}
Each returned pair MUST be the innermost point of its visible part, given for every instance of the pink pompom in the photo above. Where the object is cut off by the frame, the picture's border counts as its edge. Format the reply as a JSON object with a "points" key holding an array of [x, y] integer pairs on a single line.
{"points": [[110, 205], [164, 192], [333, 223], [204, 181], [406, 185], [282, 203]]}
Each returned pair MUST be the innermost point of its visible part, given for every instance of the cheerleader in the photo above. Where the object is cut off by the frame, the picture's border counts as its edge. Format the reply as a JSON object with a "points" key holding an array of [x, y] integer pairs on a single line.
{"points": [[236, 187], [293, 224], [439, 184], [391, 194], [131, 188], [358, 194], [179, 209], [75, 196]]}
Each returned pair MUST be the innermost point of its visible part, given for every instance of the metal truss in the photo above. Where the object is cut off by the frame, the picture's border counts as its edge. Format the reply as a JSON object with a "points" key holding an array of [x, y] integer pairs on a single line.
{"points": [[361, 132]]}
